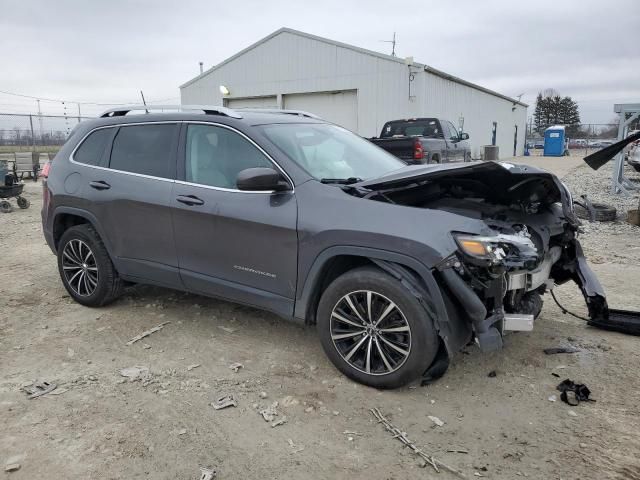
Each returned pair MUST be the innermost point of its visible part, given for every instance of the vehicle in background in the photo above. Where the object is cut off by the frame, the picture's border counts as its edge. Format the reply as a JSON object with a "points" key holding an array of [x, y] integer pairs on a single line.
{"points": [[538, 144], [594, 144], [424, 140], [578, 143]]}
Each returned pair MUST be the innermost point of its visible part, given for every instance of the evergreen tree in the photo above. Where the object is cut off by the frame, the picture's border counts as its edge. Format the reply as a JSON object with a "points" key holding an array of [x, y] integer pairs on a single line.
{"points": [[552, 109]]}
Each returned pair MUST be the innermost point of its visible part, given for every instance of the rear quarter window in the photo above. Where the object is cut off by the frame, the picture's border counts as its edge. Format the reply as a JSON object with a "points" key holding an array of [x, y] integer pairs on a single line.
{"points": [[145, 149], [92, 148]]}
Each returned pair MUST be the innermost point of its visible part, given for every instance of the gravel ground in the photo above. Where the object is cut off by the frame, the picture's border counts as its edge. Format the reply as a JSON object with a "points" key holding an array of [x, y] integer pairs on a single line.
{"points": [[161, 425]]}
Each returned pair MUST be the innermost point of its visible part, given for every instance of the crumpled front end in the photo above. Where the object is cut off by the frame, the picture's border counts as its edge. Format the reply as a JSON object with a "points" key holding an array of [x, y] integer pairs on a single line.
{"points": [[497, 277]]}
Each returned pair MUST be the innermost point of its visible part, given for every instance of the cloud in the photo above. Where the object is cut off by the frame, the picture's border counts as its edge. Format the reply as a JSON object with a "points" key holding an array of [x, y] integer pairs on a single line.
{"points": [[106, 52]]}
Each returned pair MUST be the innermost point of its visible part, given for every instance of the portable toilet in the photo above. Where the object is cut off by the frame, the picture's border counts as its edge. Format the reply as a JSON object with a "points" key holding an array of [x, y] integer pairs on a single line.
{"points": [[554, 141]]}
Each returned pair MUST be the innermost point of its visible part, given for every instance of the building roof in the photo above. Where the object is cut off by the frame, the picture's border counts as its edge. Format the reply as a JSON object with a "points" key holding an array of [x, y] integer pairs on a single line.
{"points": [[364, 51]]}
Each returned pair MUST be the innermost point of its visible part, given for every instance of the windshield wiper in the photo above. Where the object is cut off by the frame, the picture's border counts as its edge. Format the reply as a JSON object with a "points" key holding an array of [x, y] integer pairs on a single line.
{"points": [[341, 181]]}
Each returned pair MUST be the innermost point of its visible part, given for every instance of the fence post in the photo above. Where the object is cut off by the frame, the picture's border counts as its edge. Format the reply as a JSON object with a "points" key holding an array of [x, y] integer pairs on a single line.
{"points": [[33, 136]]}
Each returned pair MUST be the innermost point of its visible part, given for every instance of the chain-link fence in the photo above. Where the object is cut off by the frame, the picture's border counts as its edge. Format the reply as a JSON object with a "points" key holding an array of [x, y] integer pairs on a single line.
{"points": [[34, 133], [581, 139]]}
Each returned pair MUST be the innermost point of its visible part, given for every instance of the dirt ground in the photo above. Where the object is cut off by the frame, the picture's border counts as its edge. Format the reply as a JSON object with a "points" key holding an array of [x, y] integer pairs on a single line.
{"points": [[98, 424]]}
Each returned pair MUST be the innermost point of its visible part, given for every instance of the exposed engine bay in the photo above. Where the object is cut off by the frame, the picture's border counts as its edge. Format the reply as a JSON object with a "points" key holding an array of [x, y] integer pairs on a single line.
{"points": [[528, 243]]}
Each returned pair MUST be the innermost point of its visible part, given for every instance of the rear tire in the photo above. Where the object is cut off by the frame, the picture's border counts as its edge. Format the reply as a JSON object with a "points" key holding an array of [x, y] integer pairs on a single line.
{"points": [[467, 156], [5, 207], [387, 341], [86, 269], [435, 159]]}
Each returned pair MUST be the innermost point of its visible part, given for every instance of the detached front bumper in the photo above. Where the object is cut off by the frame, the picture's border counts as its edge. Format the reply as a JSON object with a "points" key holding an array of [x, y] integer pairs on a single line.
{"points": [[488, 305]]}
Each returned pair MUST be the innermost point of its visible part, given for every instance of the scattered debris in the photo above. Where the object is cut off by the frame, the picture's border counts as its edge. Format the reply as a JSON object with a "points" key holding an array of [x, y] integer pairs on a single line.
{"points": [[289, 401], [309, 409], [263, 394], [435, 420], [182, 432], [277, 423], [552, 398], [458, 450], [572, 413], [492, 374], [555, 374], [269, 413], [296, 448], [555, 350], [227, 329], [573, 393], [402, 436], [134, 372], [59, 391], [348, 432], [223, 402], [207, 473], [12, 467], [191, 367], [236, 366], [147, 333], [38, 389]]}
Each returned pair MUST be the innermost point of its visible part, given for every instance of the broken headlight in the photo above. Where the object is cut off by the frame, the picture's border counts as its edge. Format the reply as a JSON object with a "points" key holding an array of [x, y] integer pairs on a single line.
{"points": [[496, 248]]}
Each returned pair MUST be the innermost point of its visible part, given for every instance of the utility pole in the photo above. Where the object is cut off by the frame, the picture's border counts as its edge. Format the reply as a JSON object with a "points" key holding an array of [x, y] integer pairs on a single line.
{"points": [[39, 117], [79, 114]]}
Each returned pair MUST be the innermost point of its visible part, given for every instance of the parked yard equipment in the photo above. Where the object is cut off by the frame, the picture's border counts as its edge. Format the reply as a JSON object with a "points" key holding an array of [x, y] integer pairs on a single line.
{"points": [[12, 191]]}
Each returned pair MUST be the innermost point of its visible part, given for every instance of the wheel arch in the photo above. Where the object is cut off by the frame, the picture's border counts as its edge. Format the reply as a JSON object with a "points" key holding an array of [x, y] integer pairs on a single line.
{"points": [[337, 260], [67, 217]]}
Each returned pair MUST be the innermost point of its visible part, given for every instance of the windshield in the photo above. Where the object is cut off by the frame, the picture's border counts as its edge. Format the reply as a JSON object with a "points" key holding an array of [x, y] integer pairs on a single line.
{"points": [[331, 152]]}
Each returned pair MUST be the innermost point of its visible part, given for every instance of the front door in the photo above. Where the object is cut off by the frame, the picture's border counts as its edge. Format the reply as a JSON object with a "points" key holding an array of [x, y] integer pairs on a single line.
{"points": [[455, 153], [232, 244]]}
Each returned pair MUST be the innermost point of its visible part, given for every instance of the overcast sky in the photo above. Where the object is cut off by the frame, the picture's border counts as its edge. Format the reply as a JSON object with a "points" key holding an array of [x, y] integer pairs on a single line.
{"points": [[105, 52]]}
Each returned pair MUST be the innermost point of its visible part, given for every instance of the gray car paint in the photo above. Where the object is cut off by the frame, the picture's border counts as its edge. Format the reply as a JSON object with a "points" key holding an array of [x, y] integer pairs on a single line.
{"points": [[153, 239]]}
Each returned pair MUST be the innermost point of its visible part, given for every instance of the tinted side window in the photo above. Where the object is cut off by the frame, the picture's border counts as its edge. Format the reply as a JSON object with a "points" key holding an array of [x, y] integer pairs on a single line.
{"points": [[453, 131], [92, 149], [145, 149], [216, 155]]}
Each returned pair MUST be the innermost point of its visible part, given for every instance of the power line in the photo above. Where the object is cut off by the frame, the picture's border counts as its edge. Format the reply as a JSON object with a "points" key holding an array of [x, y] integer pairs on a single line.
{"points": [[57, 100]]}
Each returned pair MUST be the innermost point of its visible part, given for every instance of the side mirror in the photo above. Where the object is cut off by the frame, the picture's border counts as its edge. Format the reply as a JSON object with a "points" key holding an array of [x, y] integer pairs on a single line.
{"points": [[261, 180], [464, 136]]}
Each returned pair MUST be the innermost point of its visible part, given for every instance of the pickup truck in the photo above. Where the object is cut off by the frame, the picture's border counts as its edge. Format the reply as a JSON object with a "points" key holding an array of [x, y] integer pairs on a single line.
{"points": [[424, 140]]}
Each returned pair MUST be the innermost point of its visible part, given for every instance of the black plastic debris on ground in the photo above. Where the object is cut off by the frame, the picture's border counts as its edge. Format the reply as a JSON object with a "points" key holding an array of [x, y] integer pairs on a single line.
{"points": [[573, 393], [492, 374], [554, 350]]}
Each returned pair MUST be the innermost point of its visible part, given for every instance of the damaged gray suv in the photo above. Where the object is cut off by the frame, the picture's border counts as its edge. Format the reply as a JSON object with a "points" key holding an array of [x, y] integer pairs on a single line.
{"points": [[398, 266]]}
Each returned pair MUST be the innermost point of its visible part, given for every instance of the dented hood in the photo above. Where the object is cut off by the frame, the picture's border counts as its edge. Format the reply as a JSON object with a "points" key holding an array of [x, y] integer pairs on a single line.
{"points": [[418, 173], [503, 175]]}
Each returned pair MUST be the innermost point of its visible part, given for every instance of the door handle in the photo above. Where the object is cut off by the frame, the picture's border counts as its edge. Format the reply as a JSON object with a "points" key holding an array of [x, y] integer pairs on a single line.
{"points": [[190, 200], [99, 185]]}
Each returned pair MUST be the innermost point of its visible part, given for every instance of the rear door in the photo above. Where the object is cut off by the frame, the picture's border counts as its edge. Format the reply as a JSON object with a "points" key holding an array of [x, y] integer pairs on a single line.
{"points": [[129, 193], [232, 244]]}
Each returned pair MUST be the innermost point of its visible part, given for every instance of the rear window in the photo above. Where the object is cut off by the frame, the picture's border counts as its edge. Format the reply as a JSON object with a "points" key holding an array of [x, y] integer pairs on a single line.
{"points": [[145, 149], [92, 149], [419, 128]]}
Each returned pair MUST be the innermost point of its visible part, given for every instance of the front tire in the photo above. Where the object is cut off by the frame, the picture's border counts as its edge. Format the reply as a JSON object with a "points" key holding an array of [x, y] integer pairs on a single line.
{"points": [[374, 330], [86, 269]]}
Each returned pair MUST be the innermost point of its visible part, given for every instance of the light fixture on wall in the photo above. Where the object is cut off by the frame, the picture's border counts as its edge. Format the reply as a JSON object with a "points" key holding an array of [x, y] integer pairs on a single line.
{"points": [[224, 90]]}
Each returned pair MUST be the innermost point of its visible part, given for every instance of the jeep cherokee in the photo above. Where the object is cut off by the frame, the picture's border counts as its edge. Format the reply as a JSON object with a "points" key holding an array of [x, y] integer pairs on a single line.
{"points": [[398, 266]]}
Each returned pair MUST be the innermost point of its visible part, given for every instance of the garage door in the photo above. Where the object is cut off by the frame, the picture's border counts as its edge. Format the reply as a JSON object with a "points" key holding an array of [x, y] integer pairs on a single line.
{"points": [[340, 108], [254, 102]]}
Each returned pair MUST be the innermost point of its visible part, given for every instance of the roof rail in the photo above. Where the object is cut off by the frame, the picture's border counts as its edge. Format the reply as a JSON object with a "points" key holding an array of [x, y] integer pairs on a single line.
{"points": [[207, 109], [300, 113]]}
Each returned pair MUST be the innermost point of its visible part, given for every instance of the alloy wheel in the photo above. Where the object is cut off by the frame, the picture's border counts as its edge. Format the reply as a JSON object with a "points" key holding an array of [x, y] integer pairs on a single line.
{"points": [[80, 268], [370, 332]]}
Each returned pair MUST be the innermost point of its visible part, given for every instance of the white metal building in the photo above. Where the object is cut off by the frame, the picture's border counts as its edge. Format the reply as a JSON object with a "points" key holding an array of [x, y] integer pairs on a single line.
{"points": [[356, 88]]}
